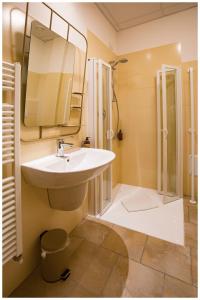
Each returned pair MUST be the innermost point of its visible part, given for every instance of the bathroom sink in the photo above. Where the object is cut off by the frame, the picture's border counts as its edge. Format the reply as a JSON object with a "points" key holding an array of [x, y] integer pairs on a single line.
{"points": [[66, 177], [58, 172]]}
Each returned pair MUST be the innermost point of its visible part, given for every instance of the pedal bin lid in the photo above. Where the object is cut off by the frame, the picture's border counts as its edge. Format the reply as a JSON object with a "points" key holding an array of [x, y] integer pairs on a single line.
{"points": [[54, 240]]}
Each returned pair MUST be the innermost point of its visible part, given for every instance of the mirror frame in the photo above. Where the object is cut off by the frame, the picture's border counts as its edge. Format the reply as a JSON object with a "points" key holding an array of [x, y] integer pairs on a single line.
{"points": [[24, 71]]}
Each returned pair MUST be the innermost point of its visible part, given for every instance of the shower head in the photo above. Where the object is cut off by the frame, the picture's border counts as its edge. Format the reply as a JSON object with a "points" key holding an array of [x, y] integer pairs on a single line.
{"points": [[114, 63]]}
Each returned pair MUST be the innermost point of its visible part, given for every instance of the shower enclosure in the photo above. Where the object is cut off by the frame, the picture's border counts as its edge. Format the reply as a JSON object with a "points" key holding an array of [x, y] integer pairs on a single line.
{"points": [[100, 130], [169, 133]]}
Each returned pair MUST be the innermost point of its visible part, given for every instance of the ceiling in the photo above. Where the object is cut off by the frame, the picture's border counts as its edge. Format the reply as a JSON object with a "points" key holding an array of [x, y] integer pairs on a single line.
{"points": [[125, 15]]}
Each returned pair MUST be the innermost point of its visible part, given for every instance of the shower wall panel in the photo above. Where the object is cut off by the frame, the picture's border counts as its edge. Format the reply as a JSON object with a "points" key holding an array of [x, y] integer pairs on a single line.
{"points": [[137, 104]]}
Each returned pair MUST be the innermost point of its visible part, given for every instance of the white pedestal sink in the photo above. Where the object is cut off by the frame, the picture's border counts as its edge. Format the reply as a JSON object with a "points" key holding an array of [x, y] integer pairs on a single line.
{"points": [[66, 178]]}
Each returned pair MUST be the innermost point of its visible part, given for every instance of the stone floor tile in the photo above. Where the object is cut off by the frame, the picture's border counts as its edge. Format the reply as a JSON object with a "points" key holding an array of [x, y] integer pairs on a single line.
{"points": [[103, 259], [95, 278], [186, 213], [116, 282], [73, 245], [143, 281], [126, 293], [35, 286], [32, 286], [193, 214], [169, 258], [67, 288], [62, 289], [91, 231], [114, 242], [80, 260], [194, 252], [81, 292], [125, 242], [191, 235], [175, 288], [194, 270]]}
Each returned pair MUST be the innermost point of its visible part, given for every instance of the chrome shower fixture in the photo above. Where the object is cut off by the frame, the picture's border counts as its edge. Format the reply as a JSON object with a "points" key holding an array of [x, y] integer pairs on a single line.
{"points": [[114, 63]]}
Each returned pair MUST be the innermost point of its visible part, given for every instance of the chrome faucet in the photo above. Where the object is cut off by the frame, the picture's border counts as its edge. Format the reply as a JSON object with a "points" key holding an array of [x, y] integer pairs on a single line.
{"points": [[61, 147]]}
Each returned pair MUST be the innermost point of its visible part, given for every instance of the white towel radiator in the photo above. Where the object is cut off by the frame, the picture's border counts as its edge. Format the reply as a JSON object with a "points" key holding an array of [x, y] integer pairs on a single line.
{"points": [[11, 185]]}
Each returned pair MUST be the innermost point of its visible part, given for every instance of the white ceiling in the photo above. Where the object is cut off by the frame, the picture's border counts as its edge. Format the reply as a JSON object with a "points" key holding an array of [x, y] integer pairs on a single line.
{"points": [[125, 15]]}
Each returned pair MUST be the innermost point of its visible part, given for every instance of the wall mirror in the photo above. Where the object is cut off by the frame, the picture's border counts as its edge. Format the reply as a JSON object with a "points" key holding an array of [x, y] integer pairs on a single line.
{"points": [[54, 60], [49, 78]]}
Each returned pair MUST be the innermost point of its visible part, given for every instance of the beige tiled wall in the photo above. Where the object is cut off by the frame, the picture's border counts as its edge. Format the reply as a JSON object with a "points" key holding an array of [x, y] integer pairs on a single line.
{"points": [[37, 215], [137, 99], [136, 161]]}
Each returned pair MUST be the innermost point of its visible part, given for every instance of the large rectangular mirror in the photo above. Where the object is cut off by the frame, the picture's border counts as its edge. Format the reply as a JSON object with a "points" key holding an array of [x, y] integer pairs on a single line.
{"points": [[49, 78]]}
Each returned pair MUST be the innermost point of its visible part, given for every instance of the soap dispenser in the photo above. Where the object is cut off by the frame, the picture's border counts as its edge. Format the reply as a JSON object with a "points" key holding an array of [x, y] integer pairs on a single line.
{"points": [[86, 142]]}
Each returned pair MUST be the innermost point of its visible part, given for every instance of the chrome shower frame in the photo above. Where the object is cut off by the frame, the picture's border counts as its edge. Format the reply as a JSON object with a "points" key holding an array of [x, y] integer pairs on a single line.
{"points": [[113, 64]]}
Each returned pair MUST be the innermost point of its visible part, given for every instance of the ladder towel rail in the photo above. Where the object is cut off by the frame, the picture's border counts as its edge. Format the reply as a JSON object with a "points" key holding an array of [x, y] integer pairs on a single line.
{"points": [[11, 185]]}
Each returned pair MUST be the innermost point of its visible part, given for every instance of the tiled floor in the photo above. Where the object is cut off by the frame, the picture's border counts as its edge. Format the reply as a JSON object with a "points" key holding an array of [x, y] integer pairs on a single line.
{"points": [[110, 261]]}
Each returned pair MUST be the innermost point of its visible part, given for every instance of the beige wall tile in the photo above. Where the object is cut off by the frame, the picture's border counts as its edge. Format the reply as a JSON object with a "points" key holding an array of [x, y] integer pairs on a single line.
{"points": [[97, 49], [137, 97]]}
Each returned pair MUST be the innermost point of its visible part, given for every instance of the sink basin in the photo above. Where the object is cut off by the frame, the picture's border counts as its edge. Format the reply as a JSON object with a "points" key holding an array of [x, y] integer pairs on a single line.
{"points": [[57, 172], [66, 178]]}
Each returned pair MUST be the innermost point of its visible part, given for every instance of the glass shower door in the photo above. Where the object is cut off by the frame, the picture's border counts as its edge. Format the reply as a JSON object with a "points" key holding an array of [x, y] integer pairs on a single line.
{"points": [[105, 129], [100, 130], [169, 117]]}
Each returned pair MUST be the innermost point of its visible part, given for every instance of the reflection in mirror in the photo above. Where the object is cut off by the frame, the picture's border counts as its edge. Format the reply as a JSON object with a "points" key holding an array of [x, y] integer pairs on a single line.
{"points": [[50, 78]]}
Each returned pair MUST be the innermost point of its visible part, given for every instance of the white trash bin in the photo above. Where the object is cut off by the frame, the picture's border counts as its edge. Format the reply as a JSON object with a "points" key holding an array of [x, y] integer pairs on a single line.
{"points": [[53, 246]]}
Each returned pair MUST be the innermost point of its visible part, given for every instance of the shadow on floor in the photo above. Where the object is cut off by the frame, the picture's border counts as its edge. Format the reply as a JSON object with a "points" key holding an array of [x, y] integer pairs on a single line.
{"points": [[96, 270]]}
